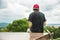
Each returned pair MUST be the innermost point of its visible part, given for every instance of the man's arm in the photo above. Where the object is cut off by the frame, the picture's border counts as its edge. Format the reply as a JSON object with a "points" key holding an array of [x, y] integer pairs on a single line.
{"points": [[30, 20], [44, 24], [44, 20], [30, 24]]}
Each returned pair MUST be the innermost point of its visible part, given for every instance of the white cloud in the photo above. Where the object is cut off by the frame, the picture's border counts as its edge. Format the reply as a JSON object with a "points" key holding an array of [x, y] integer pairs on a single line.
{"points": [[53, 15], [3, 4], [22, 8], [12, 12]]}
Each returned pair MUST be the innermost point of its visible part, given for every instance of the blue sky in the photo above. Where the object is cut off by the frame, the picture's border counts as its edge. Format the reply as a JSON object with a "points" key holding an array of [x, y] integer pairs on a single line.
{"points": [[16, 9]]}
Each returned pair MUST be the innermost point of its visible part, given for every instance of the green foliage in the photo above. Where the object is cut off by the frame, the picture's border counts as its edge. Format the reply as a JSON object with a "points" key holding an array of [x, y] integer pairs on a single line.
{"points": [[51, 29], [57, 39], [16, 26], [56, 31], [3, 29]]}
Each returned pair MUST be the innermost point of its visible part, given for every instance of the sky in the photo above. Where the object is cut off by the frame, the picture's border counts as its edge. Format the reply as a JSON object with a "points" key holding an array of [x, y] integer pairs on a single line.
{"points": [[11, 10]]}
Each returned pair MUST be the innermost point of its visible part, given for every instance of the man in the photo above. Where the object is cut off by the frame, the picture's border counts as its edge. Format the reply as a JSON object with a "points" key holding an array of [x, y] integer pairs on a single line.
{"points": [[36, 20]]}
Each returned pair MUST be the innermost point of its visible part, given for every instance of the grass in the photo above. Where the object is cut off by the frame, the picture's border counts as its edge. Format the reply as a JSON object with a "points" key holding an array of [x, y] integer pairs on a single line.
{"points": [[57, 39]]}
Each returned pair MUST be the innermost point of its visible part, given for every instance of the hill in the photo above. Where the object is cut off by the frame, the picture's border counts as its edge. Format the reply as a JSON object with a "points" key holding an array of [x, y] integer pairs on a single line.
{"points": [[3, 24]]}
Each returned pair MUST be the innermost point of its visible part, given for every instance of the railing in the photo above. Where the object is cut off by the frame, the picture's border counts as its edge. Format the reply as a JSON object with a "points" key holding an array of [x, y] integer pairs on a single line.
{"points": [[43, 37], [39, 36]]}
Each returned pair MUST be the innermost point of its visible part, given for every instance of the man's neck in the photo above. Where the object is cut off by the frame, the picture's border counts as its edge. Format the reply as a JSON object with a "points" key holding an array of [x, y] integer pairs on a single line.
{"points": [[36, 12]]}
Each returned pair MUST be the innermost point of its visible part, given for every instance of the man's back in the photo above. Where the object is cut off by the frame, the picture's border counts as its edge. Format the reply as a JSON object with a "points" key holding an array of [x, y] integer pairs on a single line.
{"points": [[37, 20]]}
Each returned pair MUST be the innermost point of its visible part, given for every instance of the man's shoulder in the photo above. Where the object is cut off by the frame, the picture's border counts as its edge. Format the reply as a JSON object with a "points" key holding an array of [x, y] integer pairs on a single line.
{"points": [[32, 13], [41, 13]]}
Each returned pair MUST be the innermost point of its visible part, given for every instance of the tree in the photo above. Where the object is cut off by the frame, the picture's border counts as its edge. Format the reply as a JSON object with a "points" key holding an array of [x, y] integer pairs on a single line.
{"points": [[18, 25]]}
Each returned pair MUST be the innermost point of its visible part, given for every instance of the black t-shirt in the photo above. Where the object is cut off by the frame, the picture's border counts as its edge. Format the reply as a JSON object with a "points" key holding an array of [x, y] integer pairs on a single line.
{"points": [[37, 20]]}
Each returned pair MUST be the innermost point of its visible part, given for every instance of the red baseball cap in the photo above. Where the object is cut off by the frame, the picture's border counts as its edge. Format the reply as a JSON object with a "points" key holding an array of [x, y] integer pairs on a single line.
{"points": [[36, 6]]}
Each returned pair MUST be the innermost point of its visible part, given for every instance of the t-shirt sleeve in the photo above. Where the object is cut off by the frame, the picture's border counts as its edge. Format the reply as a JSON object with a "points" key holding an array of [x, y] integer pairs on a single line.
{"points": [[44, 19], [30, 18]]}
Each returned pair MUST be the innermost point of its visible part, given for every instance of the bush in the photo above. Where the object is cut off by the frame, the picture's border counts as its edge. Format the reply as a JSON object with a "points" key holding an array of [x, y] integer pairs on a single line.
{"points": [[56, 31], [51, 29], [16, 26]]}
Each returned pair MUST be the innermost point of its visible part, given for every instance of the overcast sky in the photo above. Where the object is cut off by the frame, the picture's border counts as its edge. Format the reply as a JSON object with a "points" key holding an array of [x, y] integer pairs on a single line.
{"points": [[16, 9]]}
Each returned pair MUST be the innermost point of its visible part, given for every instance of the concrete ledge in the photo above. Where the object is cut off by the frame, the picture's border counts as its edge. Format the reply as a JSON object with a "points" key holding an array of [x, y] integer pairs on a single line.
{"points": [[14, 36]]}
